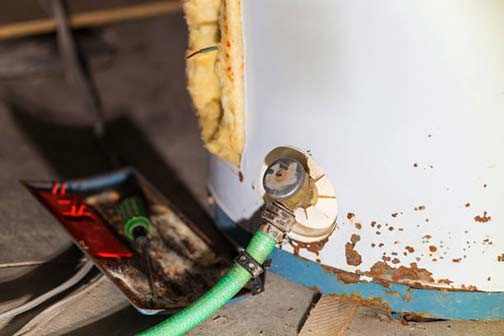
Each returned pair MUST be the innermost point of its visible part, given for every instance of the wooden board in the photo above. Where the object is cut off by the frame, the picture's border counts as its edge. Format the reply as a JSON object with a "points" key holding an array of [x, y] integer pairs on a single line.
{"points": [[32, 17]]}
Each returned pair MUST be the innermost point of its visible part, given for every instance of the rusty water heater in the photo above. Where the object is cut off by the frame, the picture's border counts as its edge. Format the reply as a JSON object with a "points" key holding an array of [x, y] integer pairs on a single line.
{"points": [[396, 111]]}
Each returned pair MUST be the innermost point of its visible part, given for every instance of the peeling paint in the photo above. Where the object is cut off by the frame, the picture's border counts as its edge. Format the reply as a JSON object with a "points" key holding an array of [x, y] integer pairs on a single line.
{"points": [[386, 272], [313, 247], [343, 276]]}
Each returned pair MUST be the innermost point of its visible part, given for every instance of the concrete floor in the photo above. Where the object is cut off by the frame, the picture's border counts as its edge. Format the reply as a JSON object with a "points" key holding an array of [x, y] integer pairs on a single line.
{"points": [[45, 133]]}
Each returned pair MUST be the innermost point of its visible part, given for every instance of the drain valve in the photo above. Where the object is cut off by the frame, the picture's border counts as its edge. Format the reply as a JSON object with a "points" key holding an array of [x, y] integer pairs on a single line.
{"points": [[284, 178]]}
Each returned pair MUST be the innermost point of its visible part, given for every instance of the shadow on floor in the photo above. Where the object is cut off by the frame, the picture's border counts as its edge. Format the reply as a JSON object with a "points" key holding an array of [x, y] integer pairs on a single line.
{"points": [[127, 321], [75, 152]]}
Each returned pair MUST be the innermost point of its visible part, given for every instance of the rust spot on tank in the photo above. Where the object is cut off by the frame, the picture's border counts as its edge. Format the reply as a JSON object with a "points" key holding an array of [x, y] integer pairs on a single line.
{"points": [[402, 273], [353, 257], [395, 214], [500, 258], [391, 228], [392, 293], [358, 226], [420, 208], [457, 260], [395, 261], [346, 277], [467, 205], [410, 249], [483, 219], [445, 281], [407, 296], [469, 288], [355, 238], [240, 176], [373, 224], [313, 247], [350, 215], [386, 258], [432, 248]]}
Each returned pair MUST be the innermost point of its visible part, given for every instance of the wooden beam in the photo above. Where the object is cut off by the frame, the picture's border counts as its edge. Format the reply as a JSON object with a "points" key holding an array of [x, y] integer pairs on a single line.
{"points": [[89, 19]]}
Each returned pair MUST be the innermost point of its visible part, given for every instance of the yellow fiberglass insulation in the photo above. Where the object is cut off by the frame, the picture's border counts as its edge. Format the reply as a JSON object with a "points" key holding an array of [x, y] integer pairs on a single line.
{"points": [[215, 78]]}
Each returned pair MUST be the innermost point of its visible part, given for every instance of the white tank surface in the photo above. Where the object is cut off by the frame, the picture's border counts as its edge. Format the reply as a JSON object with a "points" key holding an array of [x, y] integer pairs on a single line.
{"points": [[399, 105]]}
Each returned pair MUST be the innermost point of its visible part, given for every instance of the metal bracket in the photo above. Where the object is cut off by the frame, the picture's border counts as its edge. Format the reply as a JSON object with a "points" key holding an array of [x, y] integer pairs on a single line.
{"points": [[249, 264], [257, 284]]}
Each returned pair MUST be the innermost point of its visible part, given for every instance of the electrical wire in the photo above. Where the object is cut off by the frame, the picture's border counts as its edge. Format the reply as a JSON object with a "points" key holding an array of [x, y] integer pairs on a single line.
{"points": [[38, 324], [53, 292], [202, 51]]}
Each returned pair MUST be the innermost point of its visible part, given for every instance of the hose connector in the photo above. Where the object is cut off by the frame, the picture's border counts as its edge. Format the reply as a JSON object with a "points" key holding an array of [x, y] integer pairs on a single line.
{"points": [[284, 181], [277, 221]]}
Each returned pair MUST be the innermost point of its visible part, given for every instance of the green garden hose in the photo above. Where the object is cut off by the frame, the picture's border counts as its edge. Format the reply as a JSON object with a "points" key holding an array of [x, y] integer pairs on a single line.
{"points": [[259, 248], [281, 182]]}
